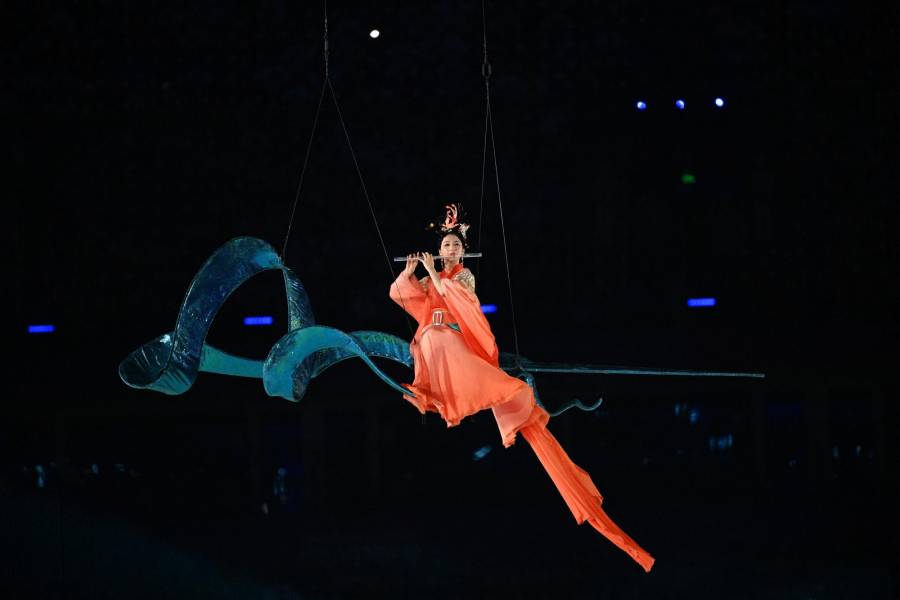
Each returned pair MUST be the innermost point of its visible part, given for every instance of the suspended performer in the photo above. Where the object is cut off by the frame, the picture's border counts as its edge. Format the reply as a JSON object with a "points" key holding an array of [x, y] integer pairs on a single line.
{"points": [[457, 372]]}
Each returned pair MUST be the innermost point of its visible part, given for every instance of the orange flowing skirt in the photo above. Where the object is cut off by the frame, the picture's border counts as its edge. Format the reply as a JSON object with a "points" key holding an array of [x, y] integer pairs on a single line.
{"points": [[455, 382]]}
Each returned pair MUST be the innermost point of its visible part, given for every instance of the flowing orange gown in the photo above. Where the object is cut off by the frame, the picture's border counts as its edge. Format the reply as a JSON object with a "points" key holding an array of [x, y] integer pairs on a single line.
{"points": [[457, 374]]}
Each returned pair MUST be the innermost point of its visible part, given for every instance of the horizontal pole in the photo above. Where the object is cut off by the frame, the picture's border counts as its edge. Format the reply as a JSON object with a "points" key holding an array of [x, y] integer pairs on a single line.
{"points": [[537, 368], [436, 257]]}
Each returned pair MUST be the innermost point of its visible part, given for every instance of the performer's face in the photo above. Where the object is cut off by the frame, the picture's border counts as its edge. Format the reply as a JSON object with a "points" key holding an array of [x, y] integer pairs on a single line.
{"points": [[451, 248]]}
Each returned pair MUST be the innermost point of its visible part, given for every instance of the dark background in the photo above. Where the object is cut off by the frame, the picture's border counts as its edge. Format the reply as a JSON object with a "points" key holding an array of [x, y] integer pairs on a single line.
{"points": [[143, 137]]}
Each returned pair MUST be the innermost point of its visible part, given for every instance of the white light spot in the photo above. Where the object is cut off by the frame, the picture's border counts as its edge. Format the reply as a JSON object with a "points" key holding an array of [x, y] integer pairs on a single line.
{"points": [[374, 33]]}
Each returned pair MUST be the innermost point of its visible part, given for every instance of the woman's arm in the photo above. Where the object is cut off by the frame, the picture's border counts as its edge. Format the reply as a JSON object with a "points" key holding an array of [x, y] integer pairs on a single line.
{"points": [[428, 260], [407, 277], [407, 291]]}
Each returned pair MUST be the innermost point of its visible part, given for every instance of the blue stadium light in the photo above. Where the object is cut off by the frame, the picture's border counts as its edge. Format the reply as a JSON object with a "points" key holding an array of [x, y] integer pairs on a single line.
{"points": [[720, 102], [641, 105], [701, 302], [680, 104], [41, 329], [488, 308], [257, 320]]}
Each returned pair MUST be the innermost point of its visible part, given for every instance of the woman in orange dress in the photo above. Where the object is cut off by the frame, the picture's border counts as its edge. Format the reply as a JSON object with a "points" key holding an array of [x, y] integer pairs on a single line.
{"points": [[457, 374]]}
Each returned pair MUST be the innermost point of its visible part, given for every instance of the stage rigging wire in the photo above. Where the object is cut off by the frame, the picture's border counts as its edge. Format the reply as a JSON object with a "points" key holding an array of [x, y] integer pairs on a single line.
{"points": [[488, 133], [489, 126], [326, 83]]}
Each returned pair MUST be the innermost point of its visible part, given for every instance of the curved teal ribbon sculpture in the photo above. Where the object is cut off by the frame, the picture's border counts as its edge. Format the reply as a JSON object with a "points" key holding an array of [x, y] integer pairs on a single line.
{"points": [[170, 363]]}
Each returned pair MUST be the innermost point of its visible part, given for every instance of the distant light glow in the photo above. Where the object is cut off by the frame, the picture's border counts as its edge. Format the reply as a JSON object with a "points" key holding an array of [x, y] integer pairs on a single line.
{"points": [[720, 102], [688, 178], [641, 105], [694, 416], [257, 320], [680, 104], [41, 329], [488, 308], [701, 302], [481, 453], [374, 33], [721, 443]]}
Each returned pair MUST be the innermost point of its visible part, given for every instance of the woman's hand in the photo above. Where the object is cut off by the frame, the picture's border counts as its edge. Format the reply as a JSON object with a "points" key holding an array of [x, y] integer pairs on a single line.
{"points": [[427, 260], [412, 261]]}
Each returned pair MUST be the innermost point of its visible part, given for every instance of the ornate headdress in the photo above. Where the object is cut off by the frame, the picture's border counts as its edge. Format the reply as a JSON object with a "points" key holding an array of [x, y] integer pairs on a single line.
{"points": [[452, 223]]}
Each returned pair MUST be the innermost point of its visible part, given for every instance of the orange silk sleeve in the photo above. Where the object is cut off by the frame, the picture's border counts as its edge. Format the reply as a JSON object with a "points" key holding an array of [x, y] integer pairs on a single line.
{"points": [[476, 330], [408, 293]]}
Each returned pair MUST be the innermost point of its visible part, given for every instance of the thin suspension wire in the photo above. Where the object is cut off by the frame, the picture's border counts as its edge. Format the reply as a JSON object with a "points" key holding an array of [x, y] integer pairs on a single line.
{"points": [[484, 29], [512, 307], [489, 126], [326, 83], [312, 135], [362, 182], [481, 199], [485, 73], [325, 12]]}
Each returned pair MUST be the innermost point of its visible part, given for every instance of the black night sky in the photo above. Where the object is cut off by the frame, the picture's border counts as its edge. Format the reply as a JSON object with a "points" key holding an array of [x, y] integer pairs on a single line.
{"points": [[143, 137]]}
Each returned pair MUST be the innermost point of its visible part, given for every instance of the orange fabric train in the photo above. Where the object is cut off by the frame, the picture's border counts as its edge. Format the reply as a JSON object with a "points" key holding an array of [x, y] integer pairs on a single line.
{"points": [[457, 374]]}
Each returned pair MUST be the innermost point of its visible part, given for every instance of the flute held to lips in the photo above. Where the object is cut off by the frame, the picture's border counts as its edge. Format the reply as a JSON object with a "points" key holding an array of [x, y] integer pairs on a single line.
{"points": [[436, 257]]}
